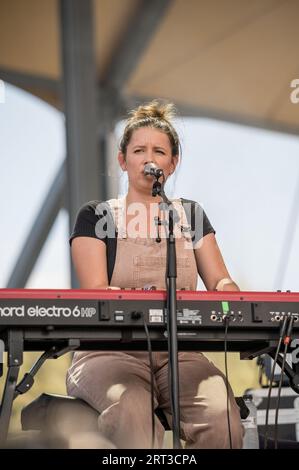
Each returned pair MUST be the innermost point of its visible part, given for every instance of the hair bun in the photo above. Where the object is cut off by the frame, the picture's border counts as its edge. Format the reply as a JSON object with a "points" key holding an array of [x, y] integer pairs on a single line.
{"points": [[154, 109]]}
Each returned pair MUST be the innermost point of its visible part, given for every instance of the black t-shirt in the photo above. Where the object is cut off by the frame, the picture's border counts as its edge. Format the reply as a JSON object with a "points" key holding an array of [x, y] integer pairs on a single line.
{"points": [[95, 220]]}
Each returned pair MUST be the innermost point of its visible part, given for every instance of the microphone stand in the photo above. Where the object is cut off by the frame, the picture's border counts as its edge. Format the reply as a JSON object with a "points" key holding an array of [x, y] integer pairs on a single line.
{"points": [[171, 275]]}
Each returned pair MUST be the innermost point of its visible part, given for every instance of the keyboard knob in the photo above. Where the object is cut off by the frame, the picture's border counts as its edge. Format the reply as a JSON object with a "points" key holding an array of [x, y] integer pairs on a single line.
{"points": [[136, 315]]}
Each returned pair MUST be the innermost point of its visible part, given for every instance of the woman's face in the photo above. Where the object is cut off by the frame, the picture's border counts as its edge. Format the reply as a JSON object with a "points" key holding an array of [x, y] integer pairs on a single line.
{"points": [[147, 144]]}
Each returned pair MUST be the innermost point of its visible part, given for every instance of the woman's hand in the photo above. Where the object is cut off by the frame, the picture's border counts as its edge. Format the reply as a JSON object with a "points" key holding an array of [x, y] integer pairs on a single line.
{"points": [[232, 286]]}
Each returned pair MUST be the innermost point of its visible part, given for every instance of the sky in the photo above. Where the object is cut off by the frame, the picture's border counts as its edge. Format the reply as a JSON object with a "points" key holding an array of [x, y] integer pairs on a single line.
{"points": [[247, 180]]}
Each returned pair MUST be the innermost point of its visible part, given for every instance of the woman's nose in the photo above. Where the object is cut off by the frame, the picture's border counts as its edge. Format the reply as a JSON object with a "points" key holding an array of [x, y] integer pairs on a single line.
{"points": [[149, 157]]}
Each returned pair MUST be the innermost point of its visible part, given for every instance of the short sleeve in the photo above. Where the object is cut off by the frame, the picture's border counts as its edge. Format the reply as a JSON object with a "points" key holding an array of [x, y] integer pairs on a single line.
{"points": [[207, 226], [199, 223], [94, 219]]}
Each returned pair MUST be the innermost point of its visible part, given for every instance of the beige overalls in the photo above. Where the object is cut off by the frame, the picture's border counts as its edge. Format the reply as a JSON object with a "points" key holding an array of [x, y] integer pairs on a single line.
{"points": [[117, 383]]}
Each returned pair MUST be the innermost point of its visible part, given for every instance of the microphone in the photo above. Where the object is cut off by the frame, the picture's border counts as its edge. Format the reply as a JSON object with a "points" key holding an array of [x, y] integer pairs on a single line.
{"points": [[152, 169]]}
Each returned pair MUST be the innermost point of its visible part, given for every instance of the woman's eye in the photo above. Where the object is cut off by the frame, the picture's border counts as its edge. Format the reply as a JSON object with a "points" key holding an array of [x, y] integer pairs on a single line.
{"points": [[137, 150], [160, 151]]}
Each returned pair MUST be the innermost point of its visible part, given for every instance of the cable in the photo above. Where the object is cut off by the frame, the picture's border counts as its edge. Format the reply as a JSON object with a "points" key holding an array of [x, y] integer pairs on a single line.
{"points": [[286, 342], [226, 322], [282, 330], [149, 346], [278, 396]]}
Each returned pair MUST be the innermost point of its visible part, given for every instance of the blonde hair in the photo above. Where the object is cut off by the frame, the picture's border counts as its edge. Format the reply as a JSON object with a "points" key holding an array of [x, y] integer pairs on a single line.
{"points": [[153, 114]]}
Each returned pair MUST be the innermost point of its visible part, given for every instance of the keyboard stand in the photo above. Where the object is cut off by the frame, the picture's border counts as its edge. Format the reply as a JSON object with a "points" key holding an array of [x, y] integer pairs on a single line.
{"points": [[291, 372], [15, 350]]}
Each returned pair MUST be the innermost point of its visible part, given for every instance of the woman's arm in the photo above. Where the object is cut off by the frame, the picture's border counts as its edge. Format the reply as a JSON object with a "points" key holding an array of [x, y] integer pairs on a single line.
{"points": [[90, 262], [211, 267]]}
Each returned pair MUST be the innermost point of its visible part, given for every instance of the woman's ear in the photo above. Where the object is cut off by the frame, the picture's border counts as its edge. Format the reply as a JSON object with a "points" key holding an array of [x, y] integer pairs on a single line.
{"points": [[122, 161], [173, 165]]}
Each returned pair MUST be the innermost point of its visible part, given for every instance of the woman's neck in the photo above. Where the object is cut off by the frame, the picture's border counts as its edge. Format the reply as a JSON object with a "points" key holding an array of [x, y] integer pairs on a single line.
{"points": [[143, 198]]}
